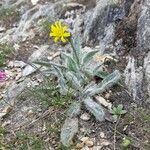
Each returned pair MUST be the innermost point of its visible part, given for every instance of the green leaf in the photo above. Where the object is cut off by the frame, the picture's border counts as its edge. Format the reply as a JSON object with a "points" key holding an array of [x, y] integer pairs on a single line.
{"points": [[49, 64], [88, 57], [59, 72], [123, 112], [120, 107], [94, 108], [71, 64], [63, 86], [69, 129], [89, 89], [101, 74], [75, 43], [107, 82], [126, 142], [73, 80], [74, 109]]}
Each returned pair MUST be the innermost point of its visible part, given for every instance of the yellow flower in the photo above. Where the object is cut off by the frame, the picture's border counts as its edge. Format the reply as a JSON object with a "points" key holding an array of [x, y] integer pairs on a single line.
{"points": [[59, 32]]}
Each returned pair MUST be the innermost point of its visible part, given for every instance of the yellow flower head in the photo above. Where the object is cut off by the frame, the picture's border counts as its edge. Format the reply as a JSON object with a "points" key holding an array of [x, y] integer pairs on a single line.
{"points": [[59, 32]]}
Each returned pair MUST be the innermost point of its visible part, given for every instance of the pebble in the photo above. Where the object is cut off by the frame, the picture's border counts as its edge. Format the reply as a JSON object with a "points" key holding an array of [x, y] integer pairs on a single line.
{"points": [[107, 96], [102, 135], [89, 143], [84, 139], [85, 117], [80, 145], [30, 112]]}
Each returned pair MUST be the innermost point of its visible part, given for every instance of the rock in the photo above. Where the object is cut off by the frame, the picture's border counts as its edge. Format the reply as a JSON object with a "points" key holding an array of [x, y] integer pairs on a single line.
{"points": [[89, 143], [97, 148], [85, 148], [12, 92], [85, 117], [104, 142], [30, 113], [16, 63], [107, 95], [102, 101], [34, 2], [147, 71], [16, 47], [133, 77], [116, 13], [5, 111], [97, 21], [29, 70], [39, 54], [84, 139], [102, 135], [143, 33], [2, 29], [80, 145]]}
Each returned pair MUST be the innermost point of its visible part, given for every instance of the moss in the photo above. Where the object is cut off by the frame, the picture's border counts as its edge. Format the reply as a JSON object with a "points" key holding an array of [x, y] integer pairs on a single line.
{"points": [[8, 11], [6, 51]]}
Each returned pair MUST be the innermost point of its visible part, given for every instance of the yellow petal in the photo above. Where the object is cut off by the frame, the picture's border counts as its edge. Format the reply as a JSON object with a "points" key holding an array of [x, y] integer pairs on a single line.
{"points": [[67, 34], [52, 34], [63, 39], [56, 39], [53, 27]]}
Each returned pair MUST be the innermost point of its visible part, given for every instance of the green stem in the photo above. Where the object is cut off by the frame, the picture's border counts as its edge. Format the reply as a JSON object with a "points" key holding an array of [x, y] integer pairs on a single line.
{"points": [[74, 50]]}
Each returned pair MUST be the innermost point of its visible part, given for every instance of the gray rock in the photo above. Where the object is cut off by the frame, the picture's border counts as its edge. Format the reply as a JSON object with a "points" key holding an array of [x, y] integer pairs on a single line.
{"points": [[39, 54], [147, 71], [143, 34], [97, 21], [12, 92], [29, 70], [16, 63], [2, 29]]}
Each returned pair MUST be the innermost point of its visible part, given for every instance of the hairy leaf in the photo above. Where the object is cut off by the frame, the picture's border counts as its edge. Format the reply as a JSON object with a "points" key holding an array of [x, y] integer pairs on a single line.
{"points": [[88, 57], [107, 82], [74, 109], [94, 108], [69, 129], [63, 86], [49, 64], [75, 43], [74, 81], [101, 74], [71, 64]]}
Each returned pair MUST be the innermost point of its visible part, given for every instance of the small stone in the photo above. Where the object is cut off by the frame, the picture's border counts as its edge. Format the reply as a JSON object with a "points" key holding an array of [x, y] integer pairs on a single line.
{"points": [[97, 148], [16, 46], [85, 117], [107, 96], [82, 129], [84, 139], [2, 29], [80, 145], [89, 143], [102, 135], [34, 2], [30, 112], [6, 123], [104, 142], [102, 101]]}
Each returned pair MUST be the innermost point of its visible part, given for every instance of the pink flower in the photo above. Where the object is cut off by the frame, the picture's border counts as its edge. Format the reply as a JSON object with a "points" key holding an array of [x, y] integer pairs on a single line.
{"points": [[2, 76]]}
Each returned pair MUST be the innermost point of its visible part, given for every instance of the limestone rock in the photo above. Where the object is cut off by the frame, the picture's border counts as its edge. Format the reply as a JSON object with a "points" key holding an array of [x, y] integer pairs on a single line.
{"points": [[143, 34]]}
